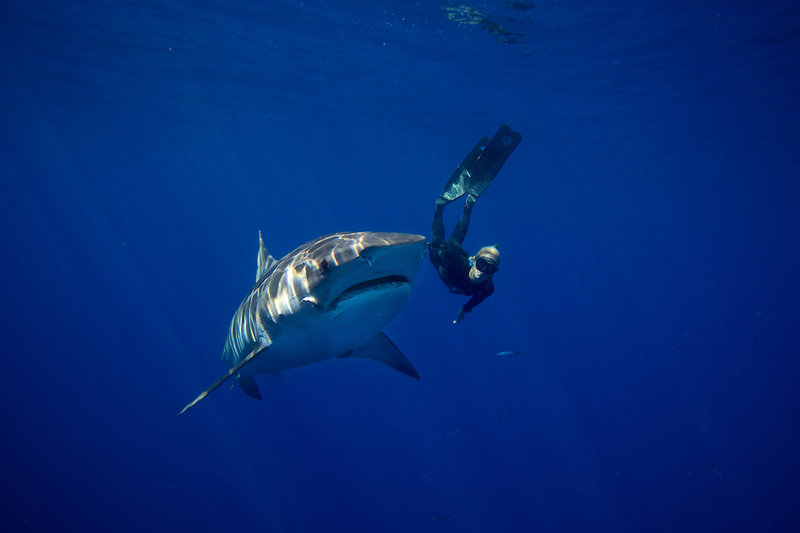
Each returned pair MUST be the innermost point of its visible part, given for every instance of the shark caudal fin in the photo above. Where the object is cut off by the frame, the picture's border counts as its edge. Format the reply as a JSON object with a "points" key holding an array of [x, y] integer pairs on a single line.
{"points": [[383, 350], [223, 378]]}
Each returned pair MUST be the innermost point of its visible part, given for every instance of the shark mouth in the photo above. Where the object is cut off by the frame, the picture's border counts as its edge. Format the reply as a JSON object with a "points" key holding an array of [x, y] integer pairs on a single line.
{"points": [[370, 285]]}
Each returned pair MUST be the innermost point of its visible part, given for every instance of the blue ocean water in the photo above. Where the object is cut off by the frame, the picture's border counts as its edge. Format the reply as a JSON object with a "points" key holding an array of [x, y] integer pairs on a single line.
{"points": [[648, 223]]}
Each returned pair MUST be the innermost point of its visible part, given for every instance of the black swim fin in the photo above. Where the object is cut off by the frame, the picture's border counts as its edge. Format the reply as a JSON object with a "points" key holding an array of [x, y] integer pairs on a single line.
{"points": [[459, 182], [491, 159]]}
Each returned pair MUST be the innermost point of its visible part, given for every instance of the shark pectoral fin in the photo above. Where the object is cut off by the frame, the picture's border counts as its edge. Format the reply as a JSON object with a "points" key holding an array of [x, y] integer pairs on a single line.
{"points": [[238, 366], [382, 349], [248, 385]]}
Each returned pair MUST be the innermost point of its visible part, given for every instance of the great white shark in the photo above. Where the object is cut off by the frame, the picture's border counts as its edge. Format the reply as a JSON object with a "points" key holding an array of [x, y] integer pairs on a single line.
{"points": [[330, 297]]}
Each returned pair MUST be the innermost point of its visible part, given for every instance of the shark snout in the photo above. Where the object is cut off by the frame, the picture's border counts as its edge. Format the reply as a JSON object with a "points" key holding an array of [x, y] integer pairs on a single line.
{"points": [[395, 254]]}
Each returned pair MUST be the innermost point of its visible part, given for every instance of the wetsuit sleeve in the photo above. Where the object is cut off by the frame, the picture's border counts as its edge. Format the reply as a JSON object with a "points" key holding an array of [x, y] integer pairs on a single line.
{"points": [[477, 298]]}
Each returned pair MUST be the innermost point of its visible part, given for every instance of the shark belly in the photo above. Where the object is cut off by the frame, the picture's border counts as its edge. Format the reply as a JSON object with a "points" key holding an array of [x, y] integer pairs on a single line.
{"points": [[314, 336]]}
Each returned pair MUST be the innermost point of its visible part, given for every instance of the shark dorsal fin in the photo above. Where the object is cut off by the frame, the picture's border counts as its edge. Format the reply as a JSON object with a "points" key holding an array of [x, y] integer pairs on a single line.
{"points": [[264, 259]]}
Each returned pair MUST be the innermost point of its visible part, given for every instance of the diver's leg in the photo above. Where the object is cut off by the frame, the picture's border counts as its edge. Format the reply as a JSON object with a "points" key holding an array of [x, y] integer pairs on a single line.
{"points": [[491, 159], [437, 231], [460, 230]]}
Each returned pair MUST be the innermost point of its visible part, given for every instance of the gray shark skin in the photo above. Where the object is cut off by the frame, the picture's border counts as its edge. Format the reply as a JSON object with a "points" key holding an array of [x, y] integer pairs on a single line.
{"points": [[330, 297]]}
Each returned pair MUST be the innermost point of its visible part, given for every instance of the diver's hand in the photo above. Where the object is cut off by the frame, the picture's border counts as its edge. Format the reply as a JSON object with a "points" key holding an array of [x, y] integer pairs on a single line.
{"points": [[459, 317]]}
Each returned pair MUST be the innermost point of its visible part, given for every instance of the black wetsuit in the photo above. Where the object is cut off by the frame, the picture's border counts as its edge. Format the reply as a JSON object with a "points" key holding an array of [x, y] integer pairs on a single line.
{"points": [[472, 177], [451, 259]]}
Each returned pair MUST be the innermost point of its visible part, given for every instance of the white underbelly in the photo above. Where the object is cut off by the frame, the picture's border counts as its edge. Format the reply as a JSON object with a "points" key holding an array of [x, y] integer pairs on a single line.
{"points": [[315, 335]]}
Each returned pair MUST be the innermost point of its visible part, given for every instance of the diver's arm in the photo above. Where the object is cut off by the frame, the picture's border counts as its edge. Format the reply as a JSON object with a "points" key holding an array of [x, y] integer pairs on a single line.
{"points": [[472, 302]]}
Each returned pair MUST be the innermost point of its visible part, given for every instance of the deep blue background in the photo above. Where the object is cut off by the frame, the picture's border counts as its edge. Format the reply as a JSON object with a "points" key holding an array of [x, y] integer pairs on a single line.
{"points": [[648, 223]]}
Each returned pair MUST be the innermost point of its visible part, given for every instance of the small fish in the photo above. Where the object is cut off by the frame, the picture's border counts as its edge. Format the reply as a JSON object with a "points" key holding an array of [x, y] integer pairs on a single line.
{"points": [[508, 353], [442, 516], [458, 430], [716, 470]]}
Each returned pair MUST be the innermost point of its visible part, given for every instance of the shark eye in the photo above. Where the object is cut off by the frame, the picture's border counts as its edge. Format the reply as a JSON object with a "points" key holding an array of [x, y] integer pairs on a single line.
{"points": [[323, 266]]}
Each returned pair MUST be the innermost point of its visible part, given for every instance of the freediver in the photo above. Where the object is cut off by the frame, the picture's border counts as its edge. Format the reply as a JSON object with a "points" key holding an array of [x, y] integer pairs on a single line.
{"points": [[464, 273]]}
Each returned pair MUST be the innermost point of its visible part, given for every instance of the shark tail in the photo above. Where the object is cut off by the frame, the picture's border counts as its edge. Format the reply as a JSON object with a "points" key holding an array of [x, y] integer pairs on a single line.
{"points": [[223, 378]]}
